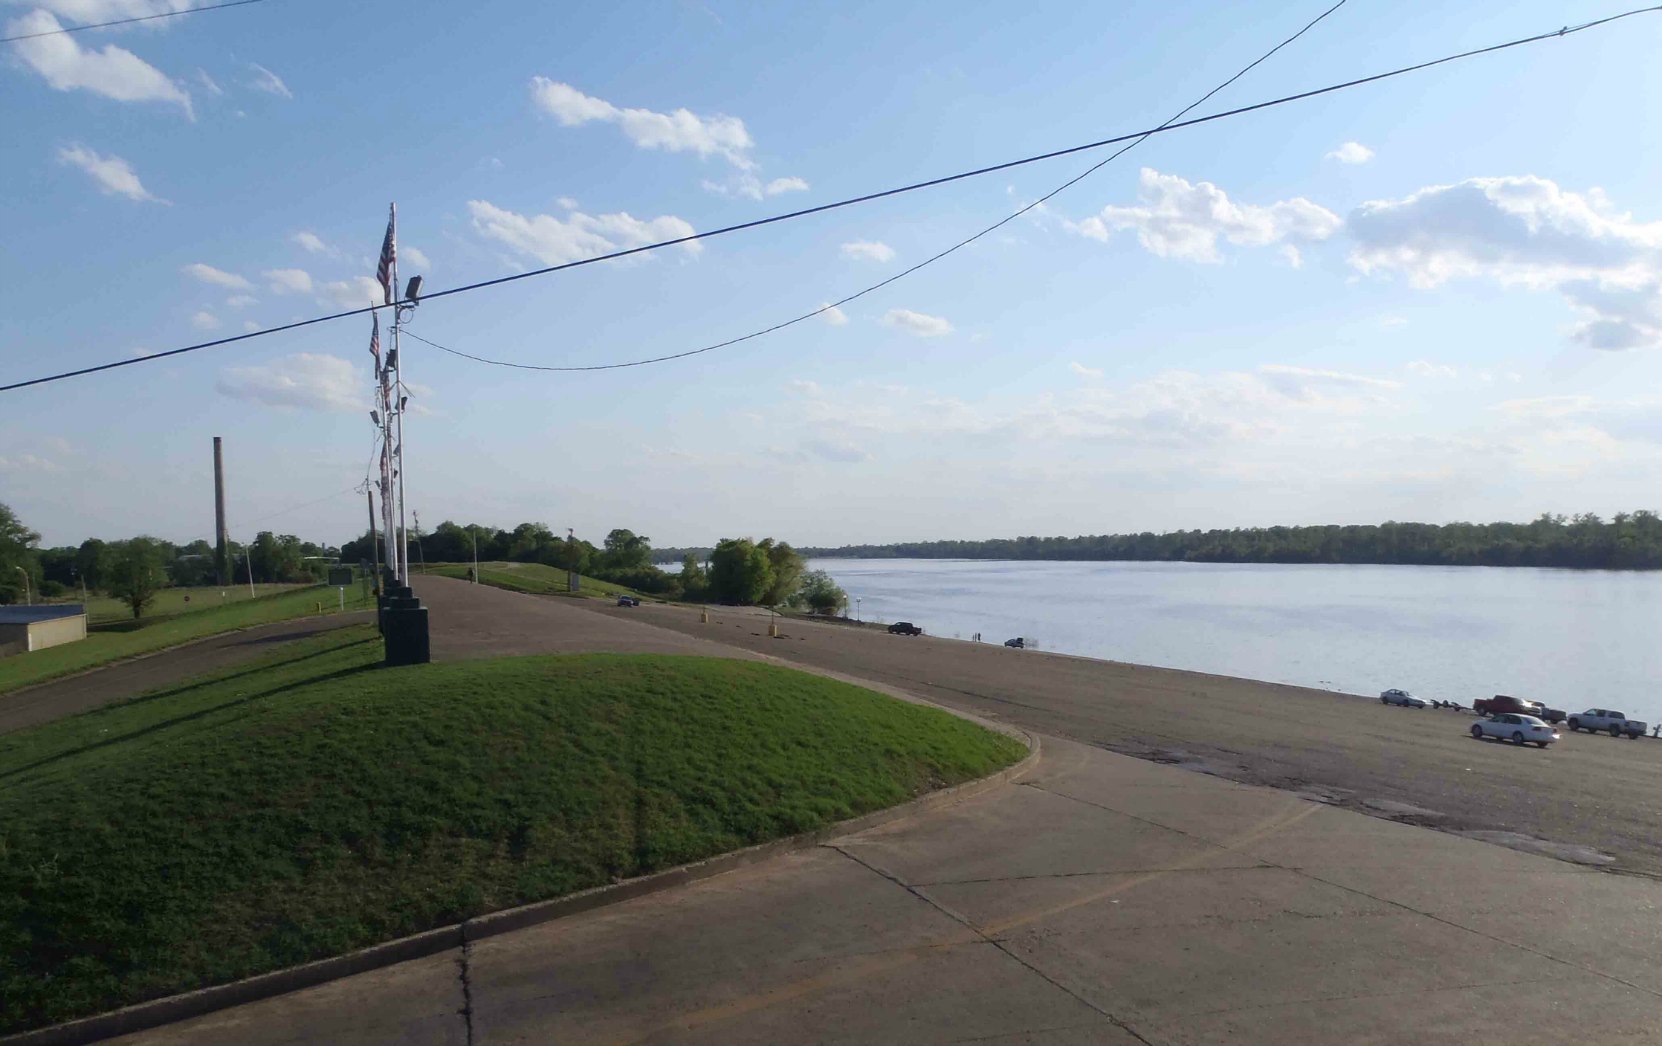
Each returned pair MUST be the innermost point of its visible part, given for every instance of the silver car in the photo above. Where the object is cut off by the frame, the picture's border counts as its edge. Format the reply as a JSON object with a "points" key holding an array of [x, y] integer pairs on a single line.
{"points": [[1519, 729], [1403, 698]]}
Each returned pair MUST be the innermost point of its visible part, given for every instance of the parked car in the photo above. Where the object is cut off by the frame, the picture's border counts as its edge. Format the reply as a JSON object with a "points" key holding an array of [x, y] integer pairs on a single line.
{"points": [[628, 601], [1519, 729], [1596, 719], [904, 628], [1403, 698], [1502, 703], [1551, 715], [1019, 643]]}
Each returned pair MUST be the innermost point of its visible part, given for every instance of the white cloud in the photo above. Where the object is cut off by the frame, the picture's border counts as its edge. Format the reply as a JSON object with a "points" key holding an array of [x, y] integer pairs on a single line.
{"points": [[785, 185], [804, 387], [205, 321], [567, 202], [554, 241], [268, 81], [354, 293], [1182, 219], [1393, 321], [416, 257], [1291, 253], [1524, 232], [250, 326], [678, 131], [833, 315], [209, 82], [288, 281], [311, 241], [1351, 152], [27, 463], [1331, 386], [918, 324], [87, 12], [868, 250], [113, 175], [1426, 369], [1088, 373], [111, 72], [304, 380], [217, 277], [241, 301]]}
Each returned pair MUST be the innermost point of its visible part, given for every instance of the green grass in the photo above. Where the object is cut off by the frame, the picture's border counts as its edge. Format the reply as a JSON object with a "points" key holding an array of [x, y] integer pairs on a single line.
{"points": [[148, 634], [529, 577], [315, 804], [172, 601]]}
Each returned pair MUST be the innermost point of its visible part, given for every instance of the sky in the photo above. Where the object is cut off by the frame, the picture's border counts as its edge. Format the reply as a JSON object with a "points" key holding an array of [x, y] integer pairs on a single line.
{"points": [[1436, 298]]}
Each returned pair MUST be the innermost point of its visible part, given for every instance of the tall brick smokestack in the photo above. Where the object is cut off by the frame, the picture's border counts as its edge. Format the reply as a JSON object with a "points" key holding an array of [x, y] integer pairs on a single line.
{"points": [[222, 555]]}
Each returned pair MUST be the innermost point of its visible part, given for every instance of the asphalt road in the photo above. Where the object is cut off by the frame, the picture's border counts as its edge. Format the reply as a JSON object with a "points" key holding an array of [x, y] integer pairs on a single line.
{"points": [[128, 679], [1594, 799]]}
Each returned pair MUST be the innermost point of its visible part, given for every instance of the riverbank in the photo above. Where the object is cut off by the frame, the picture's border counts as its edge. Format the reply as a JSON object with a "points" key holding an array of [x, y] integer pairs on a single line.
{"points": [[1415, 766]]}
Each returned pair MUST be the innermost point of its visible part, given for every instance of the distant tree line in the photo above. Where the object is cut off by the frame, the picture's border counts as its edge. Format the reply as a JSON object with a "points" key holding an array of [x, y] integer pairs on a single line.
{"points": [[135, 569], [1628, 541], [737, 571]]}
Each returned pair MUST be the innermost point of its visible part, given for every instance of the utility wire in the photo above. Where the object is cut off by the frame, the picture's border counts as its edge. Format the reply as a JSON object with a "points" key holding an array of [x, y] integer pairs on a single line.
{"points": [[757, 223], [932, 259], [127, 21]]}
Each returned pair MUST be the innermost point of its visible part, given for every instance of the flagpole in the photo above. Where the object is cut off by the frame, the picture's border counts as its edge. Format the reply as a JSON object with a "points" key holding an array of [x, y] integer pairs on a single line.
{"points": [[398, 399]]}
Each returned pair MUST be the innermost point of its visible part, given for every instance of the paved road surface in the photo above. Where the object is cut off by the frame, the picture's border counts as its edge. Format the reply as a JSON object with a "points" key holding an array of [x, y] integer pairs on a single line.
{"points": [[128, 679], [1104, 900], [1590, 797]]}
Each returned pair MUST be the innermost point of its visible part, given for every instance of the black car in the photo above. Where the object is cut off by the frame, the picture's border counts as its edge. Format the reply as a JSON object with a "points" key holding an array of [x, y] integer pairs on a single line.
{"points": [[904, 628], [1019, 643], [628, 601]]}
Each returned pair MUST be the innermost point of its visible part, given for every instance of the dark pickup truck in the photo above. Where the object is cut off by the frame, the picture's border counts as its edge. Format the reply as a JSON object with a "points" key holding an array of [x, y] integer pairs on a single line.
{"points": [[1502, 703], [904, 628]]}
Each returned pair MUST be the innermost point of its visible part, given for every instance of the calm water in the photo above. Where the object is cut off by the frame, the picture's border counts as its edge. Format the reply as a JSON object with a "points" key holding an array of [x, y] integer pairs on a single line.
{"points": [[1573, 639]]}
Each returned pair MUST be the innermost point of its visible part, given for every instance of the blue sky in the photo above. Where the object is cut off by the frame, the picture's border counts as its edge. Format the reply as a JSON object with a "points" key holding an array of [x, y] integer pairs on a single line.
{"points": [[1436, 298]]}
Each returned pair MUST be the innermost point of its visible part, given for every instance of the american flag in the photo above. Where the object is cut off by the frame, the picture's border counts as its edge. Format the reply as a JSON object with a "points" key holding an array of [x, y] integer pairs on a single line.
{"points": [[375, 339], [389, 255]]}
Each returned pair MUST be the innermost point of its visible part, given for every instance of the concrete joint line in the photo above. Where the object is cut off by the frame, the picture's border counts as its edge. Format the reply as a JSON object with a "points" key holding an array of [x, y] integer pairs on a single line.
{"points": [[169, 1010], [996, 942], [464, 964]]}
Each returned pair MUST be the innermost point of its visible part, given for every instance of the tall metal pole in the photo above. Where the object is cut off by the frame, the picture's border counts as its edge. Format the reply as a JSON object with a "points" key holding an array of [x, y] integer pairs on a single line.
{"points": [[398, 403], [374, 549]]}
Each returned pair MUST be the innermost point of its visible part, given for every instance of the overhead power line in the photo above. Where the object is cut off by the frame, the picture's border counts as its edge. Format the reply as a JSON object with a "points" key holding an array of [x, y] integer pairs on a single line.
{"points": [[932, 259], [883, 194], [128, 21]]}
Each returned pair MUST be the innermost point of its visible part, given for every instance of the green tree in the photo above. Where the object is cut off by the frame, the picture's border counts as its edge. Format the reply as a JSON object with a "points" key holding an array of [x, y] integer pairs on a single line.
{"points": [[92, 562], [695, 584], [17, 556], [820, 594], [627, 551], [740, 572], [785, 569], [138, 570]]}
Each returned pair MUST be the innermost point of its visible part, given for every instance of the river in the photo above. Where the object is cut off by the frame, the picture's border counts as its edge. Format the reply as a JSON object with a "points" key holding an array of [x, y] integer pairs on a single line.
{"points": [[1572, 639]]}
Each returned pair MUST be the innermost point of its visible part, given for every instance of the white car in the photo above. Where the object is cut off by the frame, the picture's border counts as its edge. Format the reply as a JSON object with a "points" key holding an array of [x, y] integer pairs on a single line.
{"points": [[1518, 729], [1403, 698]]}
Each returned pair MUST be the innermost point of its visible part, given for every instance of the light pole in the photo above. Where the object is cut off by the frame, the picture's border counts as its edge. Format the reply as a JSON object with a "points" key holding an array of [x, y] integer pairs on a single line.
{"points": [[473, 532], [26, 599], [856, 609]]}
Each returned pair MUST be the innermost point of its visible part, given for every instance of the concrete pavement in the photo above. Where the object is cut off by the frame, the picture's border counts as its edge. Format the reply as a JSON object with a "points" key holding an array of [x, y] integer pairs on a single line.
{"points": [[1103, 900]]}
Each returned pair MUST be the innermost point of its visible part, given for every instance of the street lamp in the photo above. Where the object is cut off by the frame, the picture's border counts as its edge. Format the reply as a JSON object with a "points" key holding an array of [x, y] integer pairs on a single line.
{"points": [[856, 609], [26, 599], [473, 532]]}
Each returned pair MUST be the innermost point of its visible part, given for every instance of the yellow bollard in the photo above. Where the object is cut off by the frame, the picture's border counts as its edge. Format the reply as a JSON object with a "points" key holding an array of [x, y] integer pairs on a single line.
{"points": [[773, 630], [703, 617]]}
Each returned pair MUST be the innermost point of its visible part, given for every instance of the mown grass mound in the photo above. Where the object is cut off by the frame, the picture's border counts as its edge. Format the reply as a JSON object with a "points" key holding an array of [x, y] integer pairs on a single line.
{"points": [[317, 803], [123, 638], [535, 578]]}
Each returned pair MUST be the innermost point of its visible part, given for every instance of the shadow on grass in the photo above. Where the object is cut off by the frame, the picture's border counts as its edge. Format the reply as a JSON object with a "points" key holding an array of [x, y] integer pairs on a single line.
{"points": [[189, 717]]}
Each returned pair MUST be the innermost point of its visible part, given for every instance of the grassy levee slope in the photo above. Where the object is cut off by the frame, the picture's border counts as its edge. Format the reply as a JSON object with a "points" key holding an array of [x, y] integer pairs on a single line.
{"points": [[318, 803], [534, 578], [148, 635]]}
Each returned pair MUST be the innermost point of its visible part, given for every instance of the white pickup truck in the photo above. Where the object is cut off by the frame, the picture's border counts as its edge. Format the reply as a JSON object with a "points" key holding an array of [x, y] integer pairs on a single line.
{"points": [[1595, 720]]}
